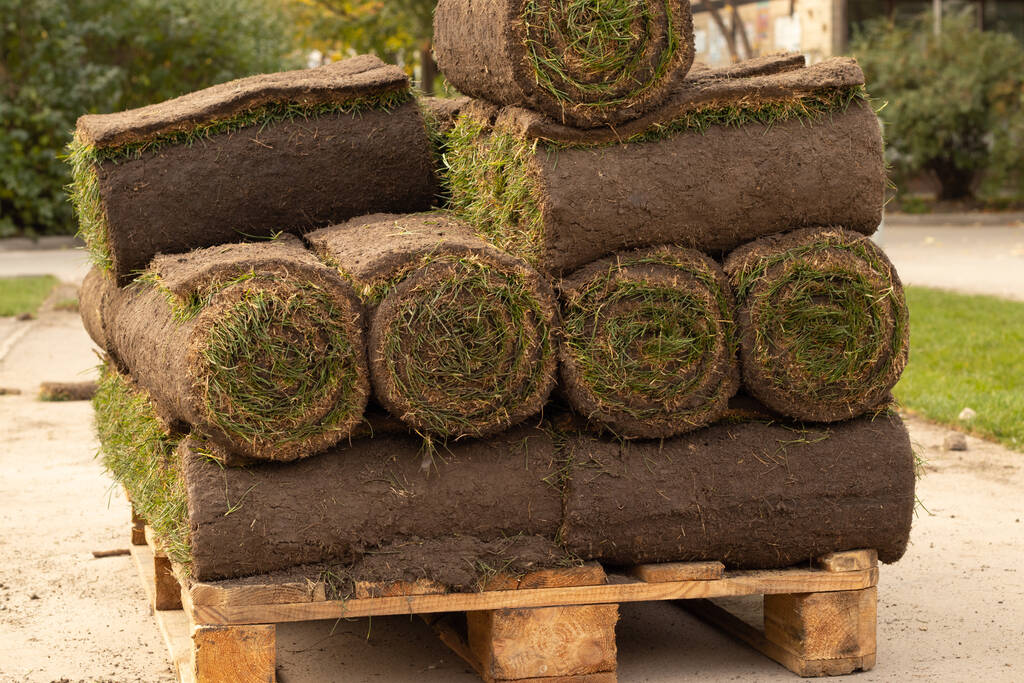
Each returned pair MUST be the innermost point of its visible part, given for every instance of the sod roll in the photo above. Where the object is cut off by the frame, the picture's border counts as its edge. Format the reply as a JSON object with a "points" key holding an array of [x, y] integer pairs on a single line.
{"points": [[461, 335], [582, 62], [258, 346], [822, 322], [649, 348], [291, 151], [352, 500], [750, 495], [710, 180], [96, 286]]}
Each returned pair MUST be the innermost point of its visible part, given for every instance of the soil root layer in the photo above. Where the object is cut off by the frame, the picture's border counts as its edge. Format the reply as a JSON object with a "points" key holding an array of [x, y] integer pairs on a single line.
{"points": [[293, 151], [751, 495]]}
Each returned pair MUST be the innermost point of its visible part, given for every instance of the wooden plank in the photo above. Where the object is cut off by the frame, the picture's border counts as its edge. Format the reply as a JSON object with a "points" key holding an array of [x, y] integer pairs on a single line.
{"points": [[586, 574], [734, 583], [239, 654], [286, 592], [173, 625], [820, 626], [378, 589], [678, 571], [848, 561], [515, 644]]}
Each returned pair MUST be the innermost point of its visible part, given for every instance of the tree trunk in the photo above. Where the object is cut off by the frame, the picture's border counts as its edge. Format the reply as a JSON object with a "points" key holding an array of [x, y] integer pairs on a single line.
{"points": [[956, 182], [428, 69]]}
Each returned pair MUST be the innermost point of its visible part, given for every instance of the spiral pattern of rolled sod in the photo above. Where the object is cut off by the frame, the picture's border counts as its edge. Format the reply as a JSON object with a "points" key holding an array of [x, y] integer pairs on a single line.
{"points": [[598, 56], [463, 346], [822, 321], [649, 348], [281, 365]]}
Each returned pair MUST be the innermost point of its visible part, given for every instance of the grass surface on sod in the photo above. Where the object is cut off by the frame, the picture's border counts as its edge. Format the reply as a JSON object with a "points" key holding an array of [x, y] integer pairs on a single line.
{"points": [[24, 294], [966, 351]]}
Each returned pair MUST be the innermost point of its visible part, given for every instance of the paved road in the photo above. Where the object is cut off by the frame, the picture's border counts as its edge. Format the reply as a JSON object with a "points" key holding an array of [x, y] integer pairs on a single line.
{"points": [[982, 259]]}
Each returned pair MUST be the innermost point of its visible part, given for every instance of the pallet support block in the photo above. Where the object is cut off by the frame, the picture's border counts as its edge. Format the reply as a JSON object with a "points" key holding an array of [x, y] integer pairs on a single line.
{"points": [[138, 528], [827, 634], [234, 654], [824, 633], [549, 643]]}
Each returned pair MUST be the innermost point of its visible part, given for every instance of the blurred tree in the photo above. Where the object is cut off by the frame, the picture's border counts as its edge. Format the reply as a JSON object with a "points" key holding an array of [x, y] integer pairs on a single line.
{"points": [[399, 31], [955, 100], [61, 59]]}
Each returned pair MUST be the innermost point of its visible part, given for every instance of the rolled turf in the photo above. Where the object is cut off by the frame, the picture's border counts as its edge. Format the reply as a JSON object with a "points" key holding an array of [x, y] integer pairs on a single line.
{"points": [[292, 151], [353, 499], [721, 173], [750, 495], [582, 62], [258, 346], [461, 335], [822, 321], [649, 348]]}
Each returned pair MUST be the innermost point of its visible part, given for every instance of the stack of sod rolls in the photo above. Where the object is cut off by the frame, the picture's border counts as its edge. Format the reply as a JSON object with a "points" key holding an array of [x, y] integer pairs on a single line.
{"points": [[647, 325]]}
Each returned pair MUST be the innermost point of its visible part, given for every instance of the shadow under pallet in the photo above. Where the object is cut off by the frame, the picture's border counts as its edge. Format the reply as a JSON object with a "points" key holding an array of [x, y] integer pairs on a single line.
{"points": [[548, 626]]}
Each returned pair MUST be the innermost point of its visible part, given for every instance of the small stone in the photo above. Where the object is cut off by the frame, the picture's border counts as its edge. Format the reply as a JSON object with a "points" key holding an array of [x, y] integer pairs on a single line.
{"points": [[968, 414], [954, 441]]}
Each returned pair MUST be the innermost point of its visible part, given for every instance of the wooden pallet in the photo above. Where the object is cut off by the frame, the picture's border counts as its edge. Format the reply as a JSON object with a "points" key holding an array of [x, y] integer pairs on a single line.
{"points": [[546, 627]]}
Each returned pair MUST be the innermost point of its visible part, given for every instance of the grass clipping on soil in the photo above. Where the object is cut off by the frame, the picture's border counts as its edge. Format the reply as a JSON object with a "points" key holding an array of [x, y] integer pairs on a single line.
{"points": [[85, 158], [139, 454], [823, 323], [649, 347], [496, 189], [463, 346]]}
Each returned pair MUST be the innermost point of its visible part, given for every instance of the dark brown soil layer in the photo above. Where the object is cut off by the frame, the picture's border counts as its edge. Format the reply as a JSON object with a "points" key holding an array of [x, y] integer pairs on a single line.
{"points": [[750, 495], [66, 391], [258, 346], [293, 176], [822, 320], [339, 82], [649, 348], [759, 81], [709, 191], [461, 339], [344, 504], [496, 50]]}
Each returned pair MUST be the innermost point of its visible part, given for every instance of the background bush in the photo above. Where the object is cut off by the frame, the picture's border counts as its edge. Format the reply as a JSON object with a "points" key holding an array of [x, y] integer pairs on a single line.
{"points": [[60, 59], [955, 101]]}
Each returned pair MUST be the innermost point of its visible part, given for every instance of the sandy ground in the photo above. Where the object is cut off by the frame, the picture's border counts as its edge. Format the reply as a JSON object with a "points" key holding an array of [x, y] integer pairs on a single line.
{"points": [[951, 610]]}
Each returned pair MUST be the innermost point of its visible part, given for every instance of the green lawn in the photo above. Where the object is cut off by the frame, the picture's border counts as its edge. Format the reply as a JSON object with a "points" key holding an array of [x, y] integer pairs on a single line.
{"points": [[966, 351], [24, 294]]}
